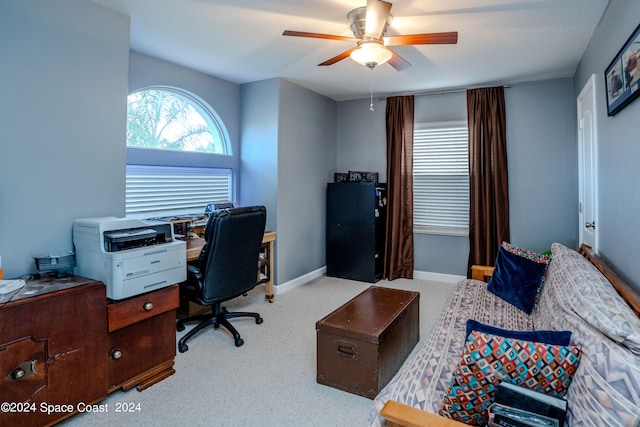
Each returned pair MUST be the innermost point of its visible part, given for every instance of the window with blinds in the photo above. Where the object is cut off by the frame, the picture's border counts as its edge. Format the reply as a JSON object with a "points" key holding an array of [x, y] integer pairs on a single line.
{"points": [[441, 178], [153, 191]]}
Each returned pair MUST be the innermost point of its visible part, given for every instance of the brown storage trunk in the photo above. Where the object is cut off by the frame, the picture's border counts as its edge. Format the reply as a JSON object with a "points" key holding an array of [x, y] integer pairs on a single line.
{"points": [[363, 343]]}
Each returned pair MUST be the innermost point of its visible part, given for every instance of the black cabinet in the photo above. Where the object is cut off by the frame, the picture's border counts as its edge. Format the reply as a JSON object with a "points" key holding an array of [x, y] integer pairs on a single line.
{"points": [[356, 217]]}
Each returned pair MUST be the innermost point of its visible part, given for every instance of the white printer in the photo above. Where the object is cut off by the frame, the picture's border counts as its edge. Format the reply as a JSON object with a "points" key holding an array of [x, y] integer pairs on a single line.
{"points": [[129, 256]]}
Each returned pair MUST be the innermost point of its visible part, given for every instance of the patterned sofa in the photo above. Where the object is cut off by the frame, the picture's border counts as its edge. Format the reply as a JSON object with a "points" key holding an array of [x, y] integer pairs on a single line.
{"points": [[605, 390]]}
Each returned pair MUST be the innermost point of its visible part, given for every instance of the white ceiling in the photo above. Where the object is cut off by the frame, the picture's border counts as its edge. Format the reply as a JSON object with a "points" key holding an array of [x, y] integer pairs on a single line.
{"points": [[499, 41]]}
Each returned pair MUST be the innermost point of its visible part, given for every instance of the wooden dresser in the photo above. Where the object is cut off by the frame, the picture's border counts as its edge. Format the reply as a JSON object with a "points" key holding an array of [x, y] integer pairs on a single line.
{"points": [[53, 338], [64, 345]]}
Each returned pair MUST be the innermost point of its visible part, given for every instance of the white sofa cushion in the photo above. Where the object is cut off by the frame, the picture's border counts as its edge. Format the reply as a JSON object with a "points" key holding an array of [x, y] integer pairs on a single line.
{"points": [[579, 288], [577, 297]]}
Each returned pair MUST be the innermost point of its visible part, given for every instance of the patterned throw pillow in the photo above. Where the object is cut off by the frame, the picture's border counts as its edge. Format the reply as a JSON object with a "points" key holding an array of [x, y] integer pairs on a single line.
{"points": [[489, 359], [525, 253]]}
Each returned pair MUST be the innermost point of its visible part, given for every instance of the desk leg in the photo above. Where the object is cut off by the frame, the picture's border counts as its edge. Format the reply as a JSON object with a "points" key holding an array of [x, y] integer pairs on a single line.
{"points": [[270, 291]]}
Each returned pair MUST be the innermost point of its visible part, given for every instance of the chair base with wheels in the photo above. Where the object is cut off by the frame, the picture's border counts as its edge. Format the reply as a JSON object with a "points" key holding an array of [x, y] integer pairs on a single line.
{"points": [[218, 317]]}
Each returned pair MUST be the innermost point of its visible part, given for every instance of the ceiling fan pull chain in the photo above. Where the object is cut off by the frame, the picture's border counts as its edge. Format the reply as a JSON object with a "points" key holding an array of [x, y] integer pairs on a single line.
{"points": [[371, 85]]}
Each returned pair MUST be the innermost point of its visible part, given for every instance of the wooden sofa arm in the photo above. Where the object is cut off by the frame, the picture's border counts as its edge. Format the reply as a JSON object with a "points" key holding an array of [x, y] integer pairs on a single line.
{"points": [[401, 415], [481, 272]]}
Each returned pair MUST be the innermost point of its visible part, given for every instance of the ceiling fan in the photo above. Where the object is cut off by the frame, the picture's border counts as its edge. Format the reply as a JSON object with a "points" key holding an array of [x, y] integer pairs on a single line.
{"points": [[370, 25]]}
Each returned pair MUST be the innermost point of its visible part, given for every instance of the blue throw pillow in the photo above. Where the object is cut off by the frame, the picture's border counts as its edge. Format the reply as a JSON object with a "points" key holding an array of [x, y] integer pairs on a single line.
{"points": [[516, 279], [546, 337]]}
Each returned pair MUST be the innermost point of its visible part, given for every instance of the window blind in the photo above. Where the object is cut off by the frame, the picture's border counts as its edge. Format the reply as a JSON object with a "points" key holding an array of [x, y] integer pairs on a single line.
{"points": [[153, 191], [441, 178]]}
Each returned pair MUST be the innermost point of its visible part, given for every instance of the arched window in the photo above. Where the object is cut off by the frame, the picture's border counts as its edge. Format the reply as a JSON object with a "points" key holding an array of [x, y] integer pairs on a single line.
{"points": [[173, 141], [168, 119]]}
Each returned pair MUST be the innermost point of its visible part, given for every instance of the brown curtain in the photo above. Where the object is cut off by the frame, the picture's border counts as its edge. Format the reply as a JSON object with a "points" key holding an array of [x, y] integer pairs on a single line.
{"points": [[488, 185], [399, 241]]}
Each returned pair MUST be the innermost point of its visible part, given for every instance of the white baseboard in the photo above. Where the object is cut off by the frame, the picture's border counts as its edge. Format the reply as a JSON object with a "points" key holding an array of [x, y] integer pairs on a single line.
{"points": [[287, 286], [437, 277], [420, 275]]}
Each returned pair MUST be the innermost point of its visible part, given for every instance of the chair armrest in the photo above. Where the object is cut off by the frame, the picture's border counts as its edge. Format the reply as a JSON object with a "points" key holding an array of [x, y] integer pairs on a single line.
{"points": [[481, 272], [195, 272], [401, 415], [194, 283]]}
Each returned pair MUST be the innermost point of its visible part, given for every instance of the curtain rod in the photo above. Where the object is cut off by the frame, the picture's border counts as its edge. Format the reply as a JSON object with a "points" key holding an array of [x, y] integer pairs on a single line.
{"points": [[442, 92]]}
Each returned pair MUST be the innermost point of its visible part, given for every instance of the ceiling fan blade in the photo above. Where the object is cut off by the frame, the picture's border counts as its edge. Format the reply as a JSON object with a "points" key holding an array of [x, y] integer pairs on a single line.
{"points": [[398, 62], [431, 38], [376, 18], [337, 58], [318, 36]]}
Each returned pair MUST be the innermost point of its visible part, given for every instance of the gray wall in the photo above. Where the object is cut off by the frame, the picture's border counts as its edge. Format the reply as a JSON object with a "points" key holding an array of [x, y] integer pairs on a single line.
{"points": [[618, 145], [288, 154], [306, 156], [362, 137], [542, 152], [63, 81], [259, 147]]}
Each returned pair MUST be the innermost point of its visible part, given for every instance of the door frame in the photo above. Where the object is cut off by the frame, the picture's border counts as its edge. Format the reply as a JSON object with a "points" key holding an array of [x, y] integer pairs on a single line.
{"points": [[584, 169]]}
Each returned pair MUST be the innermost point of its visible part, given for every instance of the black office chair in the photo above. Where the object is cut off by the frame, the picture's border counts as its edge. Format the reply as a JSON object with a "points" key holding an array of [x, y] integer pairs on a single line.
{"points": [[227, 268]]}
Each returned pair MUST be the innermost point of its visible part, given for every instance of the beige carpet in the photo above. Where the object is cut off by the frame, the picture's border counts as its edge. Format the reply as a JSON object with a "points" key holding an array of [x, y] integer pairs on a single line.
{"points": [[271, 379]]}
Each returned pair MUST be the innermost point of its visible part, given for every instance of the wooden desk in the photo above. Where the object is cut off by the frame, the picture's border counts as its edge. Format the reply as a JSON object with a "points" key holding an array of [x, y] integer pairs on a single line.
{"points": [[194, 246]]}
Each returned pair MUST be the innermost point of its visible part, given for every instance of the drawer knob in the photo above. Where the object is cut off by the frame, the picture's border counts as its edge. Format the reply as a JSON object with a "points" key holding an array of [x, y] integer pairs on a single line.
{"points": [[23, 370], [147, 306], [18, 373], [116, 354]]}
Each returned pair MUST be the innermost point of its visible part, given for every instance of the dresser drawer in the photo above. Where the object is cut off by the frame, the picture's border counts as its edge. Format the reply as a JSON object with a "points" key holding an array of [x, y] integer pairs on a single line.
{"points": [[142, 351], [127, 312]]}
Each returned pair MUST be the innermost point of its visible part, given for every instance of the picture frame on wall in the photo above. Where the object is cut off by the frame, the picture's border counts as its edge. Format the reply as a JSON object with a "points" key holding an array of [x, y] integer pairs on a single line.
{"points": [[622, 76]]}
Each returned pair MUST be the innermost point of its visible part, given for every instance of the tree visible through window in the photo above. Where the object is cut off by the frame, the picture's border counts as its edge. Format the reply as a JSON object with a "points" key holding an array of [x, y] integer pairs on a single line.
{"points": [[168, 120]]}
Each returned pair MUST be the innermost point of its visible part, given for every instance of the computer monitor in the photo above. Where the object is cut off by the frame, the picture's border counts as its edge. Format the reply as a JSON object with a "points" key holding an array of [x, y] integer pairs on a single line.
{"points": [[216, 206]]}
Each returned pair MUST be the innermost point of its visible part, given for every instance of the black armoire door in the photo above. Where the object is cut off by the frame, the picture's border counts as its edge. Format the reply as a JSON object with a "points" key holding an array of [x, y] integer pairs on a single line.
{"points": [[356, 213]]}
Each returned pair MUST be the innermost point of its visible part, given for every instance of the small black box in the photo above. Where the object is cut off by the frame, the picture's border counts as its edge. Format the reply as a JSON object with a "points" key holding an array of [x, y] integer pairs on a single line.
{"points": [[361, 176], [340, 177]]}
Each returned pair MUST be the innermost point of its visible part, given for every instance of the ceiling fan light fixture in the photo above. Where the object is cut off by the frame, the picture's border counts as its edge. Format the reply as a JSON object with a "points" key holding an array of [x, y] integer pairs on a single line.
{"points": [[371, 52], [358, 23]]}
